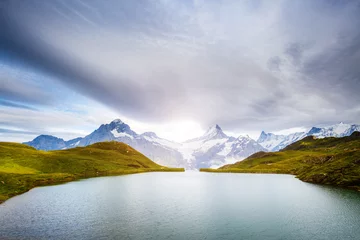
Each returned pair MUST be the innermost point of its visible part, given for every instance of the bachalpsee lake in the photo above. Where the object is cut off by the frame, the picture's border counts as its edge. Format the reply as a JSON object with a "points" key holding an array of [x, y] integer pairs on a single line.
{"points": [[190, 205]]}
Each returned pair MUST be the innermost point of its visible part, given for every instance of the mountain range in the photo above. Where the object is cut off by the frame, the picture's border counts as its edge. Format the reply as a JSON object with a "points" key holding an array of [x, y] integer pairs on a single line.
{"points": [[272, 142], [213, 149]]}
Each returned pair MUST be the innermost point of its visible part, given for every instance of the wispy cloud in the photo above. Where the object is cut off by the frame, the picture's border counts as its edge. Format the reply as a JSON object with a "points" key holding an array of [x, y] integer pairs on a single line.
{"points": [[15, 105]]}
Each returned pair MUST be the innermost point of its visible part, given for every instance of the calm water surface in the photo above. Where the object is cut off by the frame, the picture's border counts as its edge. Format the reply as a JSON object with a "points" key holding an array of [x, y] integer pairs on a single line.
{"points": [[183, 206]]}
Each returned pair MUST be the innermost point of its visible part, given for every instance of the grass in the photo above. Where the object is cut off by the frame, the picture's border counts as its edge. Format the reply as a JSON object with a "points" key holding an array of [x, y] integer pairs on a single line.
{"points": [[23, 167], [332, 161]]}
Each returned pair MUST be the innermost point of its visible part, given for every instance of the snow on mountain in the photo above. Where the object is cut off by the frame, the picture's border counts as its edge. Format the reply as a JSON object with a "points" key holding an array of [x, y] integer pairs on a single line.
{"points": [[291, 138], [193, 150], [116, 130], [336, 130], [117, 134], [244, 146], [273, 142], [214, 132], [215, 149], [159, 150], [152, 137], [73, 142], [212, 149], [270, 141]]}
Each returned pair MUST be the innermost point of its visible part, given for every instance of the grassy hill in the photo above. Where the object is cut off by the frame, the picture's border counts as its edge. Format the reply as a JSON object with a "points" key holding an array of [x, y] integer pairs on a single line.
{"points": [[23, 167], [333, 161]]}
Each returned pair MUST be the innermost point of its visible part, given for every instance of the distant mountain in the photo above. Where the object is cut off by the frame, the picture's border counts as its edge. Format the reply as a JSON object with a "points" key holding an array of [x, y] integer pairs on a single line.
{"points": [[215, 148], [48, 142], [212, 149], [273, 142], [148, 143], [73, 142], [114, 131], [337, 130]]}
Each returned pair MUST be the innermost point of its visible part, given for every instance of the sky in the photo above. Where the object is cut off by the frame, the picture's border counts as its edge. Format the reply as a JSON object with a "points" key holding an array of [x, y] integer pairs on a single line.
{"points": [[177, 67]]}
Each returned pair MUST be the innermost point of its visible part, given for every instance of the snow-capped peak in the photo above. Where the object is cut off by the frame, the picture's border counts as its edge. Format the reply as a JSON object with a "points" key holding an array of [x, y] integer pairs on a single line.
{"points": [[268, 136], [340, 128], [215, 131], [274, 142], [337, 130], [263, 136], [119, 125], [117, 128]]}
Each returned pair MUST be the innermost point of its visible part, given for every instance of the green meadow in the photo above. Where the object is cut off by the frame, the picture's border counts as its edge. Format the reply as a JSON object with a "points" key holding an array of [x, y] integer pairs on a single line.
{"points": [[23, 167], [331, 161]]}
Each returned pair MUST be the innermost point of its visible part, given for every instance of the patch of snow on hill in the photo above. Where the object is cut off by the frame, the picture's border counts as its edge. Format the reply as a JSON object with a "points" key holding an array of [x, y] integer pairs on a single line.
{"points": [[120, 134]]}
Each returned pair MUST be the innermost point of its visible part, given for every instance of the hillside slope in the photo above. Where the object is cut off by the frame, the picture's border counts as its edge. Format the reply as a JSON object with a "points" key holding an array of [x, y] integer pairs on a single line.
{"points": [[333, 161], [23, 167]]}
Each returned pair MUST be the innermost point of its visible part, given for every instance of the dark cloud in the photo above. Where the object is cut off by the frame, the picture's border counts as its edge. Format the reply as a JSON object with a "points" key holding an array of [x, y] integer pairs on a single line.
{"points": [[295, 52], [274, 63], [337, 69], [246, 66]]}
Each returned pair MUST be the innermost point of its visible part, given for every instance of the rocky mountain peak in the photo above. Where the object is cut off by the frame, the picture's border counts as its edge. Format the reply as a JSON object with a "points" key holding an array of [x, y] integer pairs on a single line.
{"points": [[215, 132], [262, 137], [119, 126], [117, 121]]}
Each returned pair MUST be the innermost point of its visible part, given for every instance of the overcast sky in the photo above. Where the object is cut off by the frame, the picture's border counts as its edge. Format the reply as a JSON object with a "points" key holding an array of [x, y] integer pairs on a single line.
{"points": [[177, 67]]}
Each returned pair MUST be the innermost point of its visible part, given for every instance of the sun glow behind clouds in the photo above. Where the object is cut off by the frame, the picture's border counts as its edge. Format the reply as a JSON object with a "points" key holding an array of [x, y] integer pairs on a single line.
{"points": [[178, 131]]}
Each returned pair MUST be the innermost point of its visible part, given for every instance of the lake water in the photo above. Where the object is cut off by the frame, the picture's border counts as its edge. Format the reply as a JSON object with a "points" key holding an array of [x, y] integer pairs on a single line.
{"points": [[188, 205]]}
